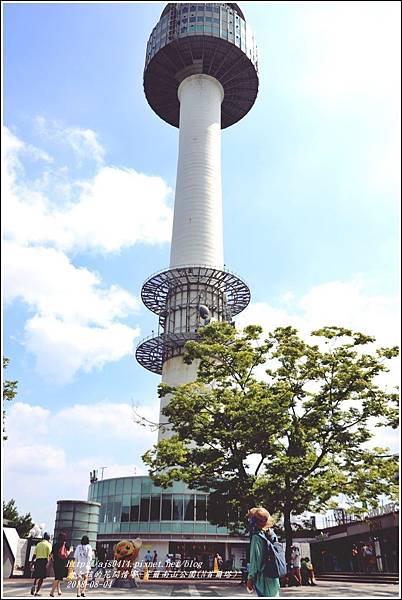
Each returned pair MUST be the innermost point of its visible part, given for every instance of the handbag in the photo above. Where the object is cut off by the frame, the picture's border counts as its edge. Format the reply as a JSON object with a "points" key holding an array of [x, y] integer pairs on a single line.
{"points": [[63, 552]]}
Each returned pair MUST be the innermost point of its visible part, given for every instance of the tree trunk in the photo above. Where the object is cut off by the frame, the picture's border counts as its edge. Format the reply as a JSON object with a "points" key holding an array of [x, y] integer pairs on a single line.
{"points": [[286, 521]]}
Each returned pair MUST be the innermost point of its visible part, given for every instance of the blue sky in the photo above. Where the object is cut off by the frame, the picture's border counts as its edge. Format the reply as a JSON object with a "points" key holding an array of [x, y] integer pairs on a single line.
{"points": [[311, 195]]}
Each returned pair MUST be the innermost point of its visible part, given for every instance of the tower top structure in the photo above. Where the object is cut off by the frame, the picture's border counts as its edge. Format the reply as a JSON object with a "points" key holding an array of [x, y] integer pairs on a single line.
{"points": [[201, 39]]}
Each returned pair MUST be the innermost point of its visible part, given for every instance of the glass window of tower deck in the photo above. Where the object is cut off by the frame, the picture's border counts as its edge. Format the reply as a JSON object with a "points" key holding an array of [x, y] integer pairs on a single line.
{"points": [[193, 39], [225, 21]]}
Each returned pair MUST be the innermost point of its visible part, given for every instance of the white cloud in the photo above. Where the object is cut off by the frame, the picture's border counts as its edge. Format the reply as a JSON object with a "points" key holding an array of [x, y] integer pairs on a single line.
{"points": [[26, 422], [49, 453], [114, 209], [109, 419], [63, 348], [97, 423], [76, 322], [345, 304], [119, 208], [83, 142], [36, 459], [50, 284]]}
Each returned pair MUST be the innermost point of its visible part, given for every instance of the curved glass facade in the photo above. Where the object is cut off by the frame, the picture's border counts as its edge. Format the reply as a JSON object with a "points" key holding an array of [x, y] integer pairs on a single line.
{"points": [[218, 20], [136, 505], [77, 518]]}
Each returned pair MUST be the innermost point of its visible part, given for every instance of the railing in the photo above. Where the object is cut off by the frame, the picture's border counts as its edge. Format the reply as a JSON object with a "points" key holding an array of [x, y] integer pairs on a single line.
{"points": [[214, 267]]}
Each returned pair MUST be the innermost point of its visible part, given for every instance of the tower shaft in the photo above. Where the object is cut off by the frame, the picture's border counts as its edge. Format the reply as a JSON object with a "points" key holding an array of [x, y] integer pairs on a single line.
{"points": [[197, 237]]}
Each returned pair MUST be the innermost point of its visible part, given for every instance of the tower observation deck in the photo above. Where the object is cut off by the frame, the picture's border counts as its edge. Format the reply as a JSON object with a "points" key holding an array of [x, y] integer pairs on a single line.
{"points": [[201, 75]]}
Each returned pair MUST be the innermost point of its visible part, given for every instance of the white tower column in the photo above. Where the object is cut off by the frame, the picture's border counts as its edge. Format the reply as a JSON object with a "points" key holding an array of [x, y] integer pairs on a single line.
{"points": [[197, 237]]}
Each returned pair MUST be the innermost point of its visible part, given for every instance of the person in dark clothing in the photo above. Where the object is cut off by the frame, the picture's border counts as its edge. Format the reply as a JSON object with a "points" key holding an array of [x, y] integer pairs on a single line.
{"points": [[59, 557], [304, 571], [101, 558], [244, 571]]}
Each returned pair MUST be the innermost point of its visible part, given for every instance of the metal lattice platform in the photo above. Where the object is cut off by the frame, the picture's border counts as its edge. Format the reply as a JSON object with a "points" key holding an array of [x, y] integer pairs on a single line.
{"points": [[157, 288], [154, 350]]}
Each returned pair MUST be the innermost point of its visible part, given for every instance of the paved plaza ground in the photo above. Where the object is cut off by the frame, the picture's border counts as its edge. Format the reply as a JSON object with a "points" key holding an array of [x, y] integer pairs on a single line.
{"points": [[20, 588]]}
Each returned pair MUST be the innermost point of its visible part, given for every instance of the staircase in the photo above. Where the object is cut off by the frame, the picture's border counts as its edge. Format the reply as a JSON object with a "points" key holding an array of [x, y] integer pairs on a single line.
{"points": [[359, 577]]}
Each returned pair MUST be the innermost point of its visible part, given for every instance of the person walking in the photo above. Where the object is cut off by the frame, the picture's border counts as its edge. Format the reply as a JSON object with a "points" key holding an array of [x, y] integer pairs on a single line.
{"points": [[101, 556], [59, 558], [310, 569], [244, 571], [261, 521], [295, 562], [168, 562], [304, 571], [155, 559], [83, 558], [41, 557]]}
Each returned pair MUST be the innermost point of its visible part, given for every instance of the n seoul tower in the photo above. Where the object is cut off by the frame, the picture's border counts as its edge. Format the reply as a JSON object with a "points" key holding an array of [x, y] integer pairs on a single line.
{"points": [[201, 75]]}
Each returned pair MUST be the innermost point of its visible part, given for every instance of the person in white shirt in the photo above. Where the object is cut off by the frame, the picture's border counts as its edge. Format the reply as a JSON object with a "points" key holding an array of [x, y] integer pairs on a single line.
{"points": [[83, 558], [295, 564]]}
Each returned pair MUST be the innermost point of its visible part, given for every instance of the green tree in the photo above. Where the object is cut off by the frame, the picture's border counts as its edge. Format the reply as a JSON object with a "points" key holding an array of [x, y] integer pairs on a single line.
{"points": [[23, 524], [292, 442], [9, 392]]}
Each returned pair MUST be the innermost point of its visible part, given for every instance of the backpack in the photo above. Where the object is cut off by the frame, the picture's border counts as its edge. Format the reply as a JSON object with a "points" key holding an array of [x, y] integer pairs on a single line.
{"points": [[274, 562], [63, 552]]}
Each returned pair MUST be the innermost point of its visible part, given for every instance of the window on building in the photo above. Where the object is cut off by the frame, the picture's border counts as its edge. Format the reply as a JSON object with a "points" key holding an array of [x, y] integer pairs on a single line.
{"points": [[125, 513], [177, 508], [116, 516], [135, 508], [144, 509], [102, 514], [189, 508], [201, 508], [166, 507], [155, 508], [108, 513]]}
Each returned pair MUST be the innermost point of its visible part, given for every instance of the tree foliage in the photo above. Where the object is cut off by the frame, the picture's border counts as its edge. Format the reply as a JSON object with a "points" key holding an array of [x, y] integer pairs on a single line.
{"points": [[23, 524], [291, 441], [9, 392]]}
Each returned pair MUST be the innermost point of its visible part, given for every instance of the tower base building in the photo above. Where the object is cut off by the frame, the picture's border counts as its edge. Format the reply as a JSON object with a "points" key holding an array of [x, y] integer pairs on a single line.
{"points": [[170, 521]]}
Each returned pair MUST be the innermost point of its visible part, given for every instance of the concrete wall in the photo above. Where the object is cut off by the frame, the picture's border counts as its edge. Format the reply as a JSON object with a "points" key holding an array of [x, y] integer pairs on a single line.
{"points": [[8, 558], [175, 372]]}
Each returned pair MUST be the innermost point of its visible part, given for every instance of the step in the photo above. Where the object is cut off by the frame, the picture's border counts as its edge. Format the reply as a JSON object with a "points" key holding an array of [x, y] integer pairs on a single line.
{"points": [[360, 577]]}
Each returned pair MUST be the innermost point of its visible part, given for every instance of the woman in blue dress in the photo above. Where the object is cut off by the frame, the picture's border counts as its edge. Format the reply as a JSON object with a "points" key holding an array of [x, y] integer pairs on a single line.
{"points": [[265, 587]]}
